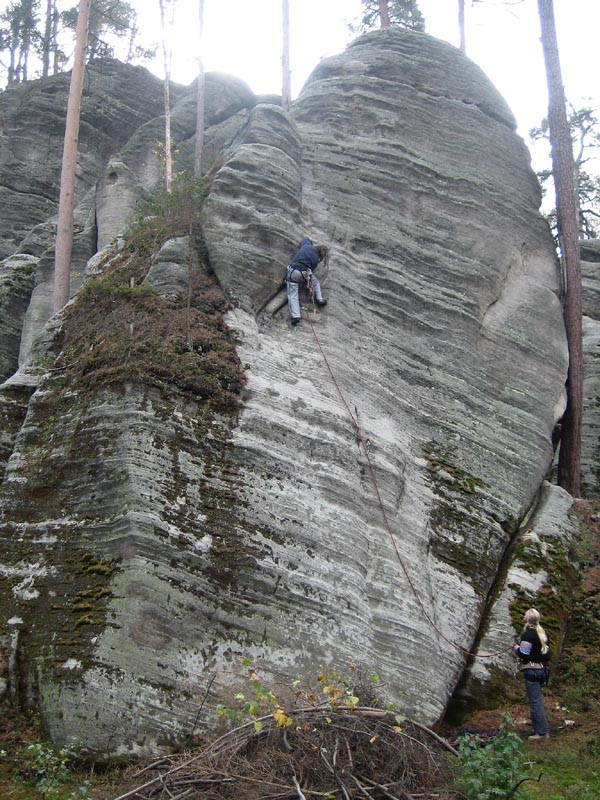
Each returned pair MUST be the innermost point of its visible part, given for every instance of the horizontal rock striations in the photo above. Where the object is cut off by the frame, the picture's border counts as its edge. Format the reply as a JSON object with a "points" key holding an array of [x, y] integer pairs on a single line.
{"points": [[152, 541], [443, 330], [590, 423]]}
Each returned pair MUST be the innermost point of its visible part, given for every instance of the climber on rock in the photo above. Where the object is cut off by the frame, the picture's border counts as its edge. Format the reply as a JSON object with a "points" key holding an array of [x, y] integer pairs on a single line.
{"points": [[301, 270]]}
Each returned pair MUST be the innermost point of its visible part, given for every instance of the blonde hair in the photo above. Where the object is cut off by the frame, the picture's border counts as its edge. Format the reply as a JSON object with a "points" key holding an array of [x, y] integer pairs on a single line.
{"points": [[532, 620]]}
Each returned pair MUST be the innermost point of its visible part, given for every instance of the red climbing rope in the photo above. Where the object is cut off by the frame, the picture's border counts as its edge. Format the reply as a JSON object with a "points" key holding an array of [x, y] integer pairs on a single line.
{"points": [[365, 447]]}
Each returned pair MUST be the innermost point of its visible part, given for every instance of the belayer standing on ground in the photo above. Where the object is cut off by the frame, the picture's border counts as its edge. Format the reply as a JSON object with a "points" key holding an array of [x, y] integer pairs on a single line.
{"points": [[533, 653], [302, 270]]}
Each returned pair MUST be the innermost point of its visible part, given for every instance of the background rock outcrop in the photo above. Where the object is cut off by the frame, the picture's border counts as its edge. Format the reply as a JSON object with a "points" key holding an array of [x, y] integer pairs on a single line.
{"points": [[590, 427], [151, 543]]}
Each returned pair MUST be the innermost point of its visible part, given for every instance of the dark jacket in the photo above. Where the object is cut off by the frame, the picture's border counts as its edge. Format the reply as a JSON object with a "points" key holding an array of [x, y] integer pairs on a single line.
{"points": [[530, 647], [306, 257]]}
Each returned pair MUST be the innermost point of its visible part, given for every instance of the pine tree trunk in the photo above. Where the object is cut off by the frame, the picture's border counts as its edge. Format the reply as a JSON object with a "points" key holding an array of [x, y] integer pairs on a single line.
{"points": [[64, 231], [25, 55], [133, 33], [47, 39], [384, 14], [569, 464], [168, 146], [461, 25], [286, 90], [55, 48], [12, 67], [199, 99], [19, 67], [167, 102]]}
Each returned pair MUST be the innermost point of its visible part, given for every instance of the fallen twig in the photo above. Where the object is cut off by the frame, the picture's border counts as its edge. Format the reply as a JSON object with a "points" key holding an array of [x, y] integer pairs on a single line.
{"points": [[316, 729], [298, 789]]}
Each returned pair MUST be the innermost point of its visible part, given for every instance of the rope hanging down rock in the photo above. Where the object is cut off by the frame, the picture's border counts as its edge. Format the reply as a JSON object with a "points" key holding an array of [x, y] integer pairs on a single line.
{"points": [[364, 445]]}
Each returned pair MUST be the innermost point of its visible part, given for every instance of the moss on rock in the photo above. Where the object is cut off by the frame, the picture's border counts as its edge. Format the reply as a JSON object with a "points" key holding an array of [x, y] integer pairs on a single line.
{"points": [[456, 523]]}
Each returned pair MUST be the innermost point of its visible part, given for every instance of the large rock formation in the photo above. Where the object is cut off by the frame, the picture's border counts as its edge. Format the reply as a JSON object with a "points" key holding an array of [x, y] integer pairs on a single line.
{"points": [[115, 105], [151, 544], [590, 428]]}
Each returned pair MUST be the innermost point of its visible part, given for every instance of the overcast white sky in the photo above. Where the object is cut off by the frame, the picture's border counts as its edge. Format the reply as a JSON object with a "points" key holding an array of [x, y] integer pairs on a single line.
{"points": [[243, 38]]}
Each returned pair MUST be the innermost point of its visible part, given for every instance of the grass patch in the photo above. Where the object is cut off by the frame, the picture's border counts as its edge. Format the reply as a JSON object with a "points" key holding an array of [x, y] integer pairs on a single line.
{"points": [[570, 767]]}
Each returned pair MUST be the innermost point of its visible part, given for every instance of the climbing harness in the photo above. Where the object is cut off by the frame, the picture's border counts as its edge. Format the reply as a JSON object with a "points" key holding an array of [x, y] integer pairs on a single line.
{"points": [[363, 444]]}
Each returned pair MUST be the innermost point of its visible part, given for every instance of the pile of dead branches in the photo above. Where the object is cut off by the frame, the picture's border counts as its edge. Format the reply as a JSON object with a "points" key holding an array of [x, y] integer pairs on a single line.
{"points": [[347, 754]]}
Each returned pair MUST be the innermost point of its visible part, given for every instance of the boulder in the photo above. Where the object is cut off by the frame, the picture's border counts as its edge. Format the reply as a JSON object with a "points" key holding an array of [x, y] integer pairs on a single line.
{"points": [[169, 272], [149, 543]]}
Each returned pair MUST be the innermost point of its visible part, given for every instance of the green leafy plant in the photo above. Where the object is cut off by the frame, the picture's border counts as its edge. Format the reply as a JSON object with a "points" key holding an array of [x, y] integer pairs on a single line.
{"points": [[494, 771], [331, 689], [259, 702], [51, 767]]}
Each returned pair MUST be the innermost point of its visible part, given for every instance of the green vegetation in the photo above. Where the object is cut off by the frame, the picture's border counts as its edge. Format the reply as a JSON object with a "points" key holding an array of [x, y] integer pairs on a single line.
{"points": [[120, 330], [331, 689], [495, 771], [31, 768], [50, 767], [570, 769]]}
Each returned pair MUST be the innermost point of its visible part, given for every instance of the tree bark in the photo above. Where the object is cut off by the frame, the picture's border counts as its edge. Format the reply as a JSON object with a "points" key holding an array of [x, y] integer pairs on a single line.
{"points": [[199, 99], [64, 231], [569, 463], [47, 39], [384, 14], [167, 101], [55, 48], [133, 32], [461, 25], [286, 89]]}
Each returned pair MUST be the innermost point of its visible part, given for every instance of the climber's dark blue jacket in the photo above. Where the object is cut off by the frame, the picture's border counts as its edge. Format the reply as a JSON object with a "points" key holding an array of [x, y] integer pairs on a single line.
{"points": [[306, 256]]}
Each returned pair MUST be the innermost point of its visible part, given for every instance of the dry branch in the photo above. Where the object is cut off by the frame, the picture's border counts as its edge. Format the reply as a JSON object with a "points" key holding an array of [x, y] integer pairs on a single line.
{"points": [[346, 753]]}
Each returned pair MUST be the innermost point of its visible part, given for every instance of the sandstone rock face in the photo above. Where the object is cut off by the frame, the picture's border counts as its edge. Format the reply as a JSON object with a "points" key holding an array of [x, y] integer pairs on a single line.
{"points": [[137, 169], [151, 545], [440, 264], [590, 426], [537, 577], [590, 285], [117, 101], [118, 162], [17, 276]]}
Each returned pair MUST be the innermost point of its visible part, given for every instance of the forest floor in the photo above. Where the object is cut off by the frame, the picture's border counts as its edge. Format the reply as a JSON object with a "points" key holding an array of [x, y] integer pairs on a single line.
{"points": [[565, 767]]}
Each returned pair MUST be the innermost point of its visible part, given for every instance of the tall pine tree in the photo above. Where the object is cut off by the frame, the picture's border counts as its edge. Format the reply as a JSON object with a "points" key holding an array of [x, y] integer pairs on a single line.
{"points": [[64, 230], [167, 53], [18, 36], [401, 13], [200, 96], [286, 90], [566, 209]]}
